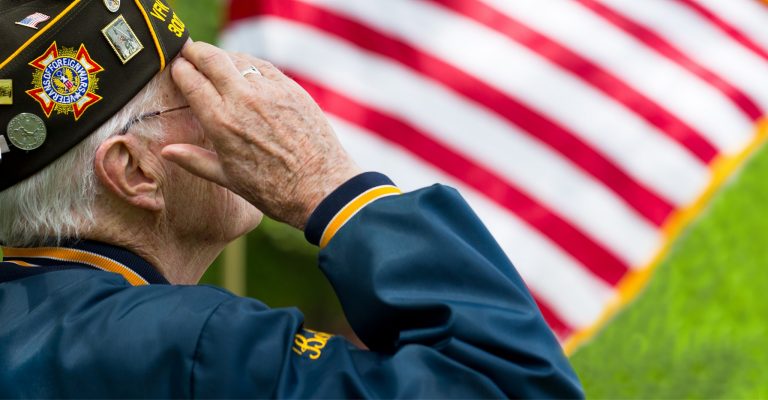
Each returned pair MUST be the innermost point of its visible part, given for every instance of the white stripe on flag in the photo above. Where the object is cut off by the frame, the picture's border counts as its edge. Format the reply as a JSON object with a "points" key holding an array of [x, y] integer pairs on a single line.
{"points": [[688, 97], [748, 16], [703, 42], [552, 275], [461, 125], [675, 174], [586, 134]]}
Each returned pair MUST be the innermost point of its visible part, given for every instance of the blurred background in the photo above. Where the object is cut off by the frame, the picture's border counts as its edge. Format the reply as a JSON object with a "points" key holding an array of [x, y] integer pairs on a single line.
{"points": [[665, 180], [280, 265]]}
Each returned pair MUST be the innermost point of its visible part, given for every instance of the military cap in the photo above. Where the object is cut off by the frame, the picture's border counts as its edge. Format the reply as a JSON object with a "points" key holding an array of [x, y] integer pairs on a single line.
{"points": [[67, 66]]}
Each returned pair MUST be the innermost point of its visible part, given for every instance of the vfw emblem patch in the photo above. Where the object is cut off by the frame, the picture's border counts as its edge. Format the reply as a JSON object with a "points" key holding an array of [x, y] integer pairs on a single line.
{"points": [[65, 81]]}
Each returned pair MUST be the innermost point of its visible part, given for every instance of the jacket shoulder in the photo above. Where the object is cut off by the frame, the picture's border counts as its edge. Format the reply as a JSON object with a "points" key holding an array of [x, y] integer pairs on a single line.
{"points": [[99, 336]]}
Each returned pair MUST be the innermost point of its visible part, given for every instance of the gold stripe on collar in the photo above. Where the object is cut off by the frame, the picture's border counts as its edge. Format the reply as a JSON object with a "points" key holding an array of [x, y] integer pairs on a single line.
{"points": [[79, 256], [20, 263]]}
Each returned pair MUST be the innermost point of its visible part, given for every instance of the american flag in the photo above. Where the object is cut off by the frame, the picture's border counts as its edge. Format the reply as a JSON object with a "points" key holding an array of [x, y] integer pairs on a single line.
{"points": [[33, 19], [585, 133]]}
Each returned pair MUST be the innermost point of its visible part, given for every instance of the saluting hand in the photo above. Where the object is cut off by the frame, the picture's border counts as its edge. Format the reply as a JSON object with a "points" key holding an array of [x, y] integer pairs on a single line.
{"points": [[272, 144]]}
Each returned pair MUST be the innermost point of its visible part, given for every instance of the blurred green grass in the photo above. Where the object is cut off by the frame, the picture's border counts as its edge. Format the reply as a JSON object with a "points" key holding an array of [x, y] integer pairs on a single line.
{"points": [[204, 18], [700, 329]]}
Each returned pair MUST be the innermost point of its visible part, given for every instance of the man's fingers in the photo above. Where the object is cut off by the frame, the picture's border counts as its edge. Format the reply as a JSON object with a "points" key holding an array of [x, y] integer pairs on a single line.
{"points": [[215, 64], [194, 86], [197, 160], [266, 69]]}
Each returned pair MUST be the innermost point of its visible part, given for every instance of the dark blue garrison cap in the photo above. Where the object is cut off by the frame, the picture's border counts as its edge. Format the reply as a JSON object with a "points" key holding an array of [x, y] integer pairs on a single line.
{"points": [[67, 66]]}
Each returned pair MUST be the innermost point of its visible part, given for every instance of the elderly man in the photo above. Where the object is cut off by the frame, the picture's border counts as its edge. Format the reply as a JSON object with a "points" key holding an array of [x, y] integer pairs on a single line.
{"points": [[120, 185]]}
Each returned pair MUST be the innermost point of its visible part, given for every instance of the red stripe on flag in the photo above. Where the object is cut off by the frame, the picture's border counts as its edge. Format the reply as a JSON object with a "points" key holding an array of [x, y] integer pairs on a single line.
{"points": [[560, 328], [243, 9], [589, 72], [648, 204], [592, 255], [643, 34], [727, 28]]}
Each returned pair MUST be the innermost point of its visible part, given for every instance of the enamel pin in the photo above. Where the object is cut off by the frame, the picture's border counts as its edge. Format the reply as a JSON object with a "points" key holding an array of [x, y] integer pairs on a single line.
{"points": [[32, 20], [112, 5], [27, 131], [122, 39], [6, 92]]}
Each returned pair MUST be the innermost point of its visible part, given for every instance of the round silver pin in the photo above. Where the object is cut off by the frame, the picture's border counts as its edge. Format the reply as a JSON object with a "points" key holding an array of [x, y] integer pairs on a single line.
{"points": [[27, 131], [112, 5]]}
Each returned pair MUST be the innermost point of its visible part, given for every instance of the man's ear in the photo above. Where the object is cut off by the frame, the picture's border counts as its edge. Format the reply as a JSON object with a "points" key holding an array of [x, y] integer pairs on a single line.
{"points": [[119, 168]]}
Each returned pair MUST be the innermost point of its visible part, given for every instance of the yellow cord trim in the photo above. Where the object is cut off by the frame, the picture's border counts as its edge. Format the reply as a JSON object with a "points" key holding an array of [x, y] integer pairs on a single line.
{"points": [[85, 257], [154, 35], [630, 286], [357, 204], [38, 34], [20, 263]]}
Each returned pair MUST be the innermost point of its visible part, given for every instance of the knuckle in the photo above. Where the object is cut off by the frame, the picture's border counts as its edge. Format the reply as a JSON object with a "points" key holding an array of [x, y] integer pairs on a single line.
{"points": [[268, 65], [210, 55], [194, 87], [251, 102], [210, 58], [241, 56]]}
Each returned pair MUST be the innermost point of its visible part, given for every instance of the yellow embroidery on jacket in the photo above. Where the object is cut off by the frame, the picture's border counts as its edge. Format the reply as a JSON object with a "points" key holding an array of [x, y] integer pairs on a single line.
{"points": [[312, 346]]}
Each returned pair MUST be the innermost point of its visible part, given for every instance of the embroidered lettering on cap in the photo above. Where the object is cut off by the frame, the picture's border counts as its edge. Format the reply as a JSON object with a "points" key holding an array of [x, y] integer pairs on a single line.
{"points": [[65, 80], [60, 68], [160, 10], [176, 26]]}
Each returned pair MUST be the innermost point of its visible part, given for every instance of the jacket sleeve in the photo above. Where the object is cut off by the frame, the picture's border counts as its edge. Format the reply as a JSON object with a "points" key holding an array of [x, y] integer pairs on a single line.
{"points": [[428, 290]]}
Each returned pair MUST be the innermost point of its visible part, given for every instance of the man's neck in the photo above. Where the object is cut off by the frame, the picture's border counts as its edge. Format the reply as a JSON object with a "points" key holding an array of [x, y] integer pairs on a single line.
{"points": [[181, 261]]}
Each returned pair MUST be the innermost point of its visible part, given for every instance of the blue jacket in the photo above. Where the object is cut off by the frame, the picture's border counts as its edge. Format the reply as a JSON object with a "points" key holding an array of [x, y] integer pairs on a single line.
{"points": [[421, 280]]}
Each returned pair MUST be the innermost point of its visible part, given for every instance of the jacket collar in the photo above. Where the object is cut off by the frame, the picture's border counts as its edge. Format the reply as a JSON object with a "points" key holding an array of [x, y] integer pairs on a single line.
{"points": [[73, 254]]}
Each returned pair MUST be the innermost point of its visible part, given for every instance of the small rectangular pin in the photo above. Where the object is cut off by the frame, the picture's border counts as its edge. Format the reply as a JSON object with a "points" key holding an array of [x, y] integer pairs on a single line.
{"points": [[123, 40], [6, 92]]}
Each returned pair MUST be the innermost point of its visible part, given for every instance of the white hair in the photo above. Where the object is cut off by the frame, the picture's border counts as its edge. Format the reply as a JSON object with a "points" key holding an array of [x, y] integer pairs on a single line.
{"points": [[58, 201]]}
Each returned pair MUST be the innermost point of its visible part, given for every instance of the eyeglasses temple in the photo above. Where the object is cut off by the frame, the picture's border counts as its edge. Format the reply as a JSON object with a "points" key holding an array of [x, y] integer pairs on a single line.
{"points": [[152, 114]]}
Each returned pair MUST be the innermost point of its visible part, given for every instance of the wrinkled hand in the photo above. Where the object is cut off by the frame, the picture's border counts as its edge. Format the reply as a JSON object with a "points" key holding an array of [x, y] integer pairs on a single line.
{"points": [[273, 145]]}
